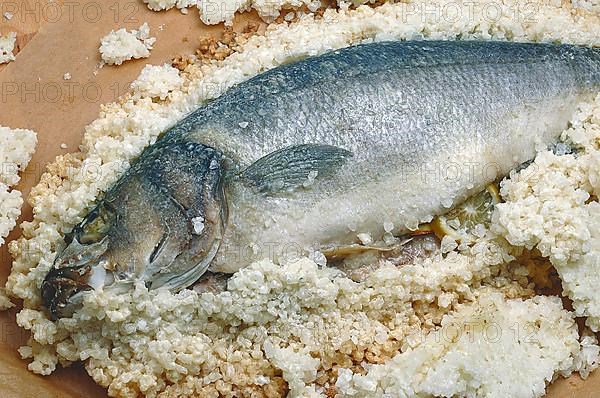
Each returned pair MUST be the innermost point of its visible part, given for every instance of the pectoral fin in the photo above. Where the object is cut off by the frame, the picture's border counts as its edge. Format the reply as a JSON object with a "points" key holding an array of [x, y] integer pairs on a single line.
{"points": [[294, 167]]}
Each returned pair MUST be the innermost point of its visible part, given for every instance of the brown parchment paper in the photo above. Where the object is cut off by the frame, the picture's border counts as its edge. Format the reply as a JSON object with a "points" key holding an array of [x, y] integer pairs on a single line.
{"points": [[34, 95]]}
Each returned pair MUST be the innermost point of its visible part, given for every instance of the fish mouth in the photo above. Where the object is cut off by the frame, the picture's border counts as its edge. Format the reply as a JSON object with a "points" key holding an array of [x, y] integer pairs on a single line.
{"points": [[78, 269], [61, 287]]}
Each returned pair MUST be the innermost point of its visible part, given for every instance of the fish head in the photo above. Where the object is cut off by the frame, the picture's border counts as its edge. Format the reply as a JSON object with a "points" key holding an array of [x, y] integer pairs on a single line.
{"points": [[161, 225]]}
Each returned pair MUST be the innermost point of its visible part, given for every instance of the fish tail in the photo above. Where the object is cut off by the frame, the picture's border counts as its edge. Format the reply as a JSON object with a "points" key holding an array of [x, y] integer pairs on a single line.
{"points": [[586, 61], [595, 65]]}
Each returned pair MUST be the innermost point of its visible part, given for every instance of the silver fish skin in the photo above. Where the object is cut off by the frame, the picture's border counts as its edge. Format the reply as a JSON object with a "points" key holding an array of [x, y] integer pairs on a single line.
{"points": [[427, 124], [373, 138]]}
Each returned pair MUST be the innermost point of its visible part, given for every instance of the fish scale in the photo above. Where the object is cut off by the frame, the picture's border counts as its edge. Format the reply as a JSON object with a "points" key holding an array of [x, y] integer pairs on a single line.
{"points": [[312, 153]]}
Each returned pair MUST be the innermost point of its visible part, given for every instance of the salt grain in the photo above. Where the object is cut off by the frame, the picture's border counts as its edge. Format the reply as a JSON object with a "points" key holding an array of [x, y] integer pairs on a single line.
{"points": [[365, 238], [198, 225]]}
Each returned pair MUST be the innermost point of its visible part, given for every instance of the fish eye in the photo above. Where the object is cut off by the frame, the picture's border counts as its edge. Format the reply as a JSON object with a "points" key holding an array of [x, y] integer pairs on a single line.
{"points": [[96, 225]]}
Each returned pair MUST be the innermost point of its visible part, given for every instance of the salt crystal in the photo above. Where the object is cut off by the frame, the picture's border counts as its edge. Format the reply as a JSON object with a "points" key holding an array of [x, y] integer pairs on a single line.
{"points": [[319, 258], [479, 231], [243, 124], [67, 76], [262, 380], [448, 244], [389, 239], [198, 224], [388, 226], [412, 224], [312, 175], [314, 5], [8, 15], [365, 238], [445, 299], [561, 149], [141, 324], [454, 223]]}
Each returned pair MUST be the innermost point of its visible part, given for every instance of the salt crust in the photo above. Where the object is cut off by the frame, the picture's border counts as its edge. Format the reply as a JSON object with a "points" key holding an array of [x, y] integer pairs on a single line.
{"points": [[121, 45], [549, 208], [479, 350], [7, 45], [16, 148], [157, 81]]}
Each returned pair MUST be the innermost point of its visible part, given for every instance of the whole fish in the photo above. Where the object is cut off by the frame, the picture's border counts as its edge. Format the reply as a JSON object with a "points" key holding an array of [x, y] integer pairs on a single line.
{"points": [[374, 138]]}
